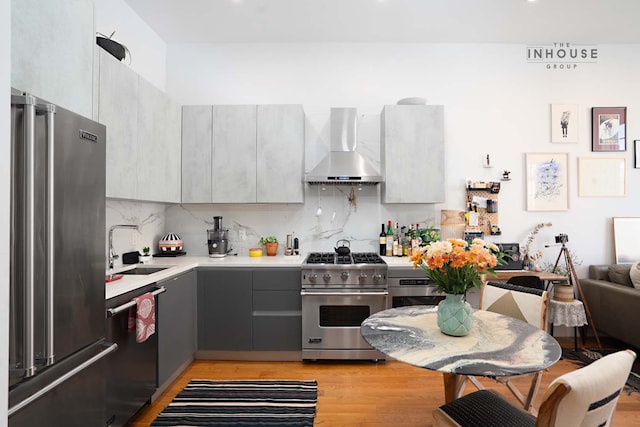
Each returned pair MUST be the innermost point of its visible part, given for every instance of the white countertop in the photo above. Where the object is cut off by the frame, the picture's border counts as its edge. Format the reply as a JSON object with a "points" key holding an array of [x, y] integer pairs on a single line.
{"points": [[185, 263]]}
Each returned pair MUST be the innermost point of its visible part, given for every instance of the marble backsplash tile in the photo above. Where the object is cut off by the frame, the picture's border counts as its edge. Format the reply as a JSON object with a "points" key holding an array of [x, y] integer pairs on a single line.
{"points": [[339, 219]]}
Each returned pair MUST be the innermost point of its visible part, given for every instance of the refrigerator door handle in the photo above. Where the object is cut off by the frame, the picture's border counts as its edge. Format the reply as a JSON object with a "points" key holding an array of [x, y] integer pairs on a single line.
{"points": [[12, 410], [113, 311], [28, 104], [49, 111]]}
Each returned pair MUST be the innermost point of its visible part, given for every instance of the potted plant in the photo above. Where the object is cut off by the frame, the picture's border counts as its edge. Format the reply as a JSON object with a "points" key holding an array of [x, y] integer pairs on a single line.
{"points": [[271, 244], [455, 267], [146, 254]]}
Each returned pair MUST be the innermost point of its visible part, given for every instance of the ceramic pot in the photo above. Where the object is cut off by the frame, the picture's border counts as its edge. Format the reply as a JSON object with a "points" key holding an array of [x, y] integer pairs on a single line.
{"points": [[272, 248], [455, 315]]}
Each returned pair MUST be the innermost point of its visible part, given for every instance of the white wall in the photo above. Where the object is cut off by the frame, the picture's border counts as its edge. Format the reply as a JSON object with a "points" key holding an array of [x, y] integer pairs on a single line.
{"points": [[5, 132], [495, 103], [148, 50]]}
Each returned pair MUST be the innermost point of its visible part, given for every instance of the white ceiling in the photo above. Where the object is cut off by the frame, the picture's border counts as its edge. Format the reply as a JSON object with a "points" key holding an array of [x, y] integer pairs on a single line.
{"points": [[401, 21]]}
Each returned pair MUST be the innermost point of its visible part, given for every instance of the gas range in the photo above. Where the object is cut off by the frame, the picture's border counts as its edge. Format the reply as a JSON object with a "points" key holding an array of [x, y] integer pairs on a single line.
{"points": [[338, 293], [355, 270]]}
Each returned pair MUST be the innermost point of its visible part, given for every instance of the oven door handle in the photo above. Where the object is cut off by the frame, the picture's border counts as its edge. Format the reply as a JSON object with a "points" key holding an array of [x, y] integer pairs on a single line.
{"points": [[366, 294]]}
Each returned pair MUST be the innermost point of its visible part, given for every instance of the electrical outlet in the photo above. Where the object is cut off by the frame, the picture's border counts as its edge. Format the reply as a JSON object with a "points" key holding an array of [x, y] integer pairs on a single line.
{"points": [[134, 238], [242, 234]]}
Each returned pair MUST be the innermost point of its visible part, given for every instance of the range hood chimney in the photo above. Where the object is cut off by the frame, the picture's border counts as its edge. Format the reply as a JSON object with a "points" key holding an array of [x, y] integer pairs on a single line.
{"points": [[343, 164]]}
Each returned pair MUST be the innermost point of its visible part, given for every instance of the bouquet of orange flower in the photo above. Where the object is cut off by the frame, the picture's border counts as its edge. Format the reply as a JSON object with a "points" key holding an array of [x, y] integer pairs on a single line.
{"points": [[455, 266]]}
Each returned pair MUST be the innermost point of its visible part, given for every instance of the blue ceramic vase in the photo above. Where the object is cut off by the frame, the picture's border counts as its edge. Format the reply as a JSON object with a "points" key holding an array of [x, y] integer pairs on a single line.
{"points": [[455, 315]]}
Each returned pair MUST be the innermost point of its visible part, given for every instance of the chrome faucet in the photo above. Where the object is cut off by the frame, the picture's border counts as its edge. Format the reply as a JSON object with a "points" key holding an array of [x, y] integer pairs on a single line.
{"points": [[112, 255]]}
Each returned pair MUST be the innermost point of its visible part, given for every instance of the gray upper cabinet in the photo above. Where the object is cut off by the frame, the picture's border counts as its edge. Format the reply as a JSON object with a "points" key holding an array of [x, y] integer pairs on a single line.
{"points": [[118, 111], [52, 51], [233, 166], [143, 135], [243, 154], [412, 153], [196, 153], [159, 148], [280, 154]]}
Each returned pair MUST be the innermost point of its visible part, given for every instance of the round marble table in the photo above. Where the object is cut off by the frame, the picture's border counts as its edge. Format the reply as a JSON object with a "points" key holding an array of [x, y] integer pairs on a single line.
{"points": [[497, 345]]}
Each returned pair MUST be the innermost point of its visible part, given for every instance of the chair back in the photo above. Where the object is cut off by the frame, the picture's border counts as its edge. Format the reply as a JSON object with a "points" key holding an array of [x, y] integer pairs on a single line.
{"points": [[527, 281], [526, 304], [586, 397]]}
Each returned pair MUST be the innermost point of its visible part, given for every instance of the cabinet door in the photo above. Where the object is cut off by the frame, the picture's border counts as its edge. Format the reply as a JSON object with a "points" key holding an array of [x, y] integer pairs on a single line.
{"points": [[118, 111], [224, 309], [196, 154], [280, 153], [52, 48], [233, 171], [176, 324], [173, 153], [413, 153], [277, 310], [159, 140]]}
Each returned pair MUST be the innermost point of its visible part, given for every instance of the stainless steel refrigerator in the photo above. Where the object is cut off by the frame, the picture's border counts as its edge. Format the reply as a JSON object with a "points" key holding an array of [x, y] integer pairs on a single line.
{"points": [[57, 347]]}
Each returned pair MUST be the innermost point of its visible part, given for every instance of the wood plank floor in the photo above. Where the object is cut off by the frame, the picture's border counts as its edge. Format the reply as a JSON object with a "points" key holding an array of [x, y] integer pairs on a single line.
{"points": [[362, 394]]}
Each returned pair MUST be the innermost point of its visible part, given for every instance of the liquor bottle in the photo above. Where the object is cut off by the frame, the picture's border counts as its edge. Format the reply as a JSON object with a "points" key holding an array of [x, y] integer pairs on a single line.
{"points": [[383, 242], [405, 242], [389, 251], [396, 240]]}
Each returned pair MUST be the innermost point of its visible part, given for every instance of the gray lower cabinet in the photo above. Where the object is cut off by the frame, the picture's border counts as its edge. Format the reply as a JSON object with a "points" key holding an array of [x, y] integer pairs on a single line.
{"points": [[176, 325], [277, 310], [249, 309], [224, 309]]}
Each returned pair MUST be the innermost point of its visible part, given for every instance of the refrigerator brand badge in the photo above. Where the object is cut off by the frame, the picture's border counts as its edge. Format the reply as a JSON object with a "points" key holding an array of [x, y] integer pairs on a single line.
{"points": [[562, 56], [88, 136]]}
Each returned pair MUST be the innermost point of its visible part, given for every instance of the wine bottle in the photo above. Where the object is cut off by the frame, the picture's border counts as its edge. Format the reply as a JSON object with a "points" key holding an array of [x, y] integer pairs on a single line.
{"points": [[383, 242], [389, 251]]}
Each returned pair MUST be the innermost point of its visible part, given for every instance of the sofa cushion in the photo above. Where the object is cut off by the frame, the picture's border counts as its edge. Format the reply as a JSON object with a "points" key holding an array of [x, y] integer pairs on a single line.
{"points": [[634, 274], [619, 273]]}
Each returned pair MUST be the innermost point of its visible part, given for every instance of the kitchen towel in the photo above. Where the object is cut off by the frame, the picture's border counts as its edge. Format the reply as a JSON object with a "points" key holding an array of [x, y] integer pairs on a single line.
{"points": [[142, 317]]}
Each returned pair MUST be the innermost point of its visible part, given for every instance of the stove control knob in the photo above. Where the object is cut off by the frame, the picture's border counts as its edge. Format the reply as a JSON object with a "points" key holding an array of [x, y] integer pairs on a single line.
{"points": [[377, 277], [313, 277], [326, 277], [344, 275], [362, 277]]}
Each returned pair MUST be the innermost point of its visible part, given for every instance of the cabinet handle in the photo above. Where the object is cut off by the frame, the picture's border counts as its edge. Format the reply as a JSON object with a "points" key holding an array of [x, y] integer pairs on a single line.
{"points": [[113, 311]]}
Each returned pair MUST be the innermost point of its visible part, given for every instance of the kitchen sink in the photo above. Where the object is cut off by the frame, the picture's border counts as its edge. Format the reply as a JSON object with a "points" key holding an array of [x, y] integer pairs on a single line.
{"points": [[143, 270]]}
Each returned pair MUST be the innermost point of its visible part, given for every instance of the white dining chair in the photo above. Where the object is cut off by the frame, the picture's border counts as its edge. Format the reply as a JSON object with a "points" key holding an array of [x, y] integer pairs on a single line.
{"points": [[586, 397], [524, 303]]}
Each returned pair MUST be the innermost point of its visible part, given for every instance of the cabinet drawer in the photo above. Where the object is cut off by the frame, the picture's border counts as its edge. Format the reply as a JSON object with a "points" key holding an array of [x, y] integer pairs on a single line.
{"points": [[276, 300], [275, 333], [286, 279]]}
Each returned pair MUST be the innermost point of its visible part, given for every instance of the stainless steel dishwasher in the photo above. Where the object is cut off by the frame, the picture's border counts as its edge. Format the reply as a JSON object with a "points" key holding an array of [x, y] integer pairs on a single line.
{"points": [[132, 370]]}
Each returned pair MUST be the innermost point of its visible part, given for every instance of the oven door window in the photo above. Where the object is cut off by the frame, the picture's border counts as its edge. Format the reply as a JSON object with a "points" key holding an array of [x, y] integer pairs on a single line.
{"points": [[343, 315]]}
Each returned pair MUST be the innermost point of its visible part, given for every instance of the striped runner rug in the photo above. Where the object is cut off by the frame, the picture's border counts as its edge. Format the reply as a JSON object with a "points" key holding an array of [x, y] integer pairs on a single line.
{"points": [[242, 403]]}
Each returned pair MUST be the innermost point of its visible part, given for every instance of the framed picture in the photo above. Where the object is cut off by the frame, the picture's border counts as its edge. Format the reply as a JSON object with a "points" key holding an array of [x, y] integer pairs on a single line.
{"points": [[636, 150], [602, 177], [625, 240], [609, 127], [564, 123], [547, 181]]}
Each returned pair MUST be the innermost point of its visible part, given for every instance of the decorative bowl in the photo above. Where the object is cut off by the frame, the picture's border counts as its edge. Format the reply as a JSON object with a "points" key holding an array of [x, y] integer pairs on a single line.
{"points": [[171, 243]]}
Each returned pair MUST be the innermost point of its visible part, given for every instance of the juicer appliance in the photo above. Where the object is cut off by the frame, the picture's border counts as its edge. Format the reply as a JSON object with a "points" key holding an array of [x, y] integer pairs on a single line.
{"points": [[218, 239]]}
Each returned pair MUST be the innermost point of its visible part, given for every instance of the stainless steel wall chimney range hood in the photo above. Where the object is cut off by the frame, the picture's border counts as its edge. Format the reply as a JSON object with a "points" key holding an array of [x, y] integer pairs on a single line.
{"points": [[343, 164]]}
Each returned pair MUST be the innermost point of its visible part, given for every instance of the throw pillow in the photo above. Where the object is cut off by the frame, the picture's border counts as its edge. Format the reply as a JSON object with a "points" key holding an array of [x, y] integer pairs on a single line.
{"points": [[619, 273], [634, 274]]}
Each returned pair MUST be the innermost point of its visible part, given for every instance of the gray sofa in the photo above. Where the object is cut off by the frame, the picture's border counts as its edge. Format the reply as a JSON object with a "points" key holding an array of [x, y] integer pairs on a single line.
{"points": [[614, 302]]}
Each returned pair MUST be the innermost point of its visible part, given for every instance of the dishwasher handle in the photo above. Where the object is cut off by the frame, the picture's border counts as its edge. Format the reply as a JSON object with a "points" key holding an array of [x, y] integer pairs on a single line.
{"points": [[113, 311]]}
